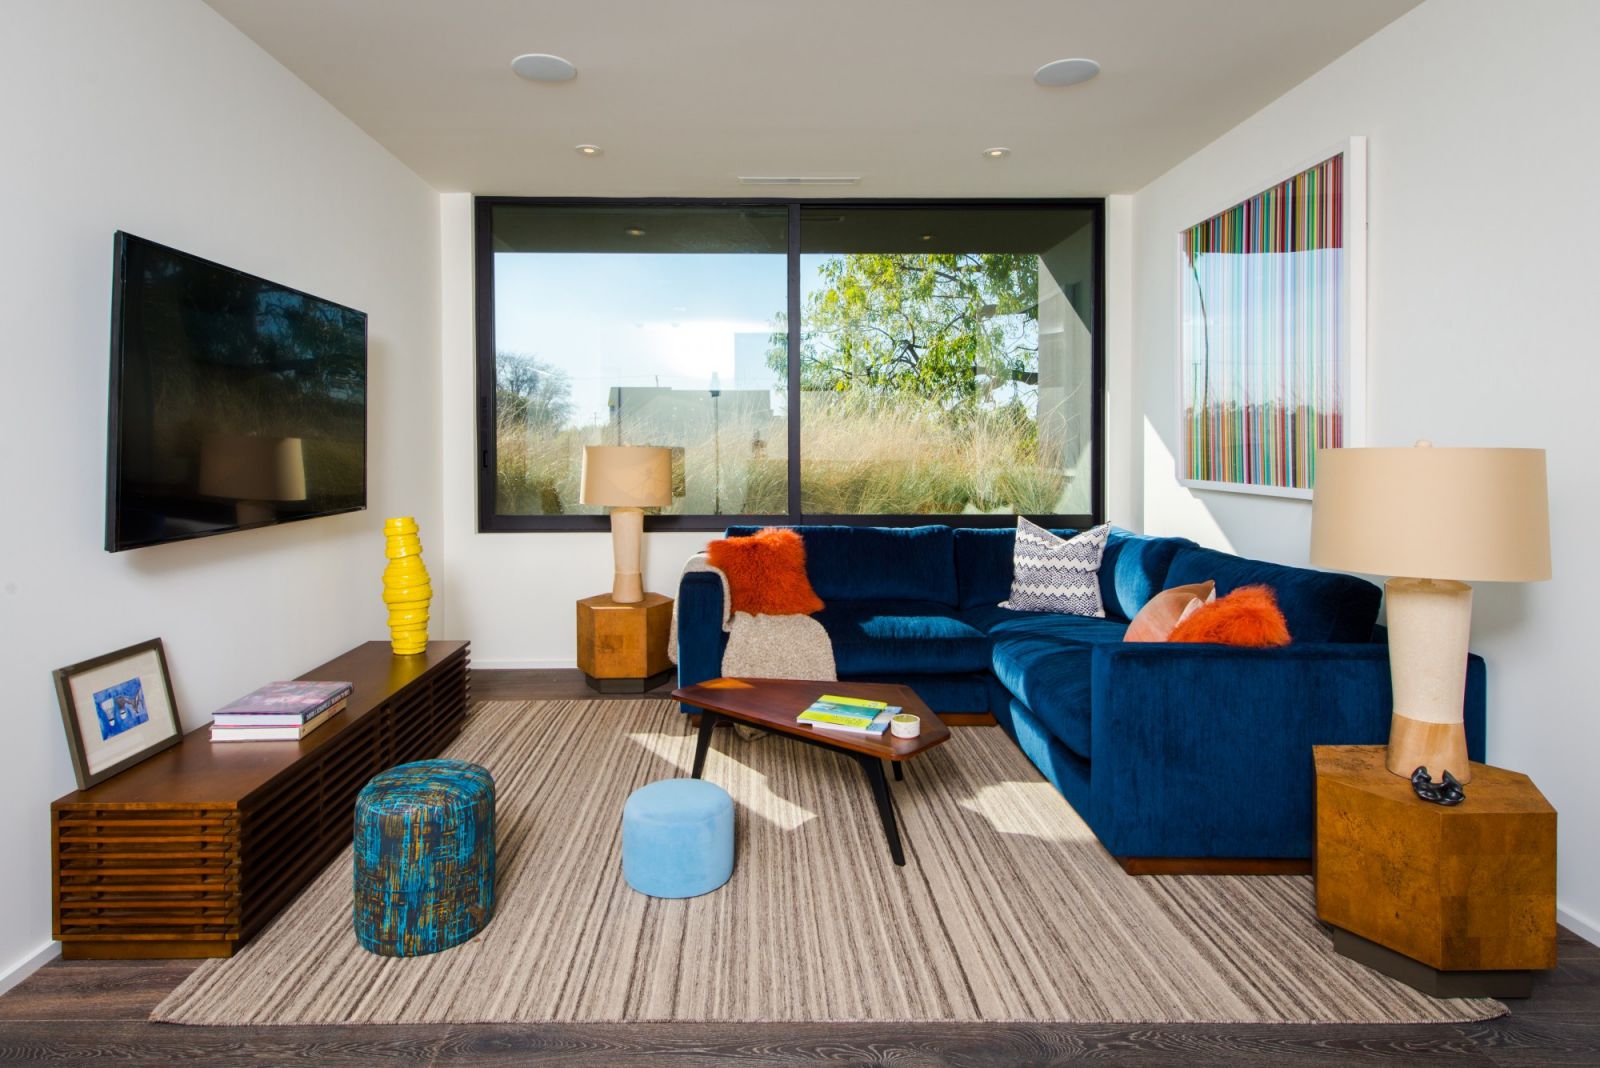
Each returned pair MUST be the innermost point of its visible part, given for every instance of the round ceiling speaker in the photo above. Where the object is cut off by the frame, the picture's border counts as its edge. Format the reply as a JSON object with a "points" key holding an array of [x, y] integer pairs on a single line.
{"points": [[1066, 72], [540, 67]]}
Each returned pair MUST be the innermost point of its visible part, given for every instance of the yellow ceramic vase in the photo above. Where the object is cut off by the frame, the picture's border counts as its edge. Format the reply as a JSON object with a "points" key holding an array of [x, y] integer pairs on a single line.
{"points": [[406, 589]]}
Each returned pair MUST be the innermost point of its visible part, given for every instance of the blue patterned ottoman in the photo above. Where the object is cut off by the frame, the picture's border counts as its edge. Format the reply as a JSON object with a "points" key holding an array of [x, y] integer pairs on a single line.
{"points": [[424, 857]]}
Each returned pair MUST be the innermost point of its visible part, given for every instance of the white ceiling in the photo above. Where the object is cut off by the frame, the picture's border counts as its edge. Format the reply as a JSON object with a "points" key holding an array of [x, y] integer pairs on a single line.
{"points": [[685, 96]]}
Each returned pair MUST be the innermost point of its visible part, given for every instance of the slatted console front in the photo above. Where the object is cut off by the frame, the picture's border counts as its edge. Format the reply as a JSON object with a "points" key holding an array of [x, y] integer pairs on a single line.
{"points": [[192, 852]]}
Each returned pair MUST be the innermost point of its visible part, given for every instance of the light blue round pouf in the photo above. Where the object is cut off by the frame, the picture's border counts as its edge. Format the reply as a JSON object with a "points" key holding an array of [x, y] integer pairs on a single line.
{"points": [[677, 838]]}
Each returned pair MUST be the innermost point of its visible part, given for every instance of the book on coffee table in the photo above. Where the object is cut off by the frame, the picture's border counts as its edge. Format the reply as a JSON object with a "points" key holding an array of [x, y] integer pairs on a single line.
{"points": [[875, 726], [823, 710], [852, 714], [852, 702]]}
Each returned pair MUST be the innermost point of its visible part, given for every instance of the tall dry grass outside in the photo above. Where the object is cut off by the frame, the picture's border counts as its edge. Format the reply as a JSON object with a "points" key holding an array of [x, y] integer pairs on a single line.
{"points": [[867, 455], [537, 470], [864, 455]]}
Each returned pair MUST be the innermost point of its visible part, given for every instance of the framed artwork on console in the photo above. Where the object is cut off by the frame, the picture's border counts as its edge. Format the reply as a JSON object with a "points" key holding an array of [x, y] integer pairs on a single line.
{"points": [[118, 710], [1272, 329]]}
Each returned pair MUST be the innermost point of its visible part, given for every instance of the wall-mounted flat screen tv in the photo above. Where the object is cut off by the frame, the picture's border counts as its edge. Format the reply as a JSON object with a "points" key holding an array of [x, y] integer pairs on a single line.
{"points": [[235, 402]]}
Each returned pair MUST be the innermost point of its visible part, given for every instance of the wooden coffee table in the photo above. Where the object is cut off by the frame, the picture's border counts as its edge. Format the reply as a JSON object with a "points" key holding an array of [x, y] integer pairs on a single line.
{"points": [[773, 704]]}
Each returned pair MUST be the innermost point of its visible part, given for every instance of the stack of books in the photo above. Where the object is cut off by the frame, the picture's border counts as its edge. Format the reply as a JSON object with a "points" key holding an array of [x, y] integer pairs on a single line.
{"points": [[853, 715], [280, 712]]}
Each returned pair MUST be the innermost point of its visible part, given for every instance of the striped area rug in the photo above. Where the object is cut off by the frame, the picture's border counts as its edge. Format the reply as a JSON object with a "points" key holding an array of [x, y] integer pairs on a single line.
{"points": [[1007, 910]]}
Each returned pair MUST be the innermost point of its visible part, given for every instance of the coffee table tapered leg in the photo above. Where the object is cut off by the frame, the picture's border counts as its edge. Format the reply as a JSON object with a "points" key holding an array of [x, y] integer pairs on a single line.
{"points": [[899, 770], [873, 767], [708, 722]]}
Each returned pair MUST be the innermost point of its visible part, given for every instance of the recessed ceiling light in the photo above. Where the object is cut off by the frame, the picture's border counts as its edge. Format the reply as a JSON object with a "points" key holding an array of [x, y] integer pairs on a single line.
{"points": [[542, 67], [588, 150], [634, 231], [927, 237], [1066, 72], [996, 153]]}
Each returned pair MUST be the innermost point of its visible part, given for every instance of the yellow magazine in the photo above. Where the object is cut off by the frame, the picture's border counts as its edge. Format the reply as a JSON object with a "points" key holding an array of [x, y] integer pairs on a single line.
{"points": [[857, 702]]}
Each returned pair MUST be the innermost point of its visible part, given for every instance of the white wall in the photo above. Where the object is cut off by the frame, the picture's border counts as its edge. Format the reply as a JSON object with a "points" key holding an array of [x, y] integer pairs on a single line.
{"points": [[161, 119], [1483, 146], [1124, 497]]}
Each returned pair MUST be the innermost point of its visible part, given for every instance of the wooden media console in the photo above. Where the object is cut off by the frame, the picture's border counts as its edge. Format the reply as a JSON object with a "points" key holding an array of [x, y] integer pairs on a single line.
{"points": [[192, 852]]}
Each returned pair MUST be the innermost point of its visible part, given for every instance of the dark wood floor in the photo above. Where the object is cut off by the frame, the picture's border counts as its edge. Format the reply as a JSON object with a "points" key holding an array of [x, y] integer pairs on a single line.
{"points": [[549, 684], [97, 1010]]}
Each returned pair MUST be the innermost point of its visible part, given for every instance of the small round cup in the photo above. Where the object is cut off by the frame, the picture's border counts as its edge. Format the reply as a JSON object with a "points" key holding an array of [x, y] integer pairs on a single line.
{"points": [[905, 725]]}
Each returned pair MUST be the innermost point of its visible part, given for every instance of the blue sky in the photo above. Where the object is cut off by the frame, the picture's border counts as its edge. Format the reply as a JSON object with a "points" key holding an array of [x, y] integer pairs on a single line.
{"points": [[610, 319]]}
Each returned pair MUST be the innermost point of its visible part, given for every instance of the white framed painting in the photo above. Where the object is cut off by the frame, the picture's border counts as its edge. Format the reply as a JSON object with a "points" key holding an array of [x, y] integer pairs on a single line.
{"points": [[1272, 329], [118, 710]]}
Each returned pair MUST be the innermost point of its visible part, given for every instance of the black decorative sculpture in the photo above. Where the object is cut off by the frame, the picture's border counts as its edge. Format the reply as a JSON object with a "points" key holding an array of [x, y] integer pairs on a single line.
{"points": [[1449, 792]]}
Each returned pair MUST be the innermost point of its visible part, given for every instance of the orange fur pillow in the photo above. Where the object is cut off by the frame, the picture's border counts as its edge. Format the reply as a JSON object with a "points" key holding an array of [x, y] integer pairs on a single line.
{"points": [[766, 573], [1248, 616]]}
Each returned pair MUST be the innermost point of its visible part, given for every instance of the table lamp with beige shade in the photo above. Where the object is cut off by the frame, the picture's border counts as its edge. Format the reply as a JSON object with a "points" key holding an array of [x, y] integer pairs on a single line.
{"points": [[627, 479], [1435, 519]]}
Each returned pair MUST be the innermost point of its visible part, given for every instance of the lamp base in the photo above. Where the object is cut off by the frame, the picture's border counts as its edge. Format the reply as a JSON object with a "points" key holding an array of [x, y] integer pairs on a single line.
{"points": [[627, 587], [627, 531], [1439, 747], [1429, 622]]}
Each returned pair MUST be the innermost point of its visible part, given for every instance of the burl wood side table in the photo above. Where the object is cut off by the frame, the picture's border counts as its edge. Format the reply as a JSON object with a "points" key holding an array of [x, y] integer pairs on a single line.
{"points": [[622, 648], [1455, 901]]}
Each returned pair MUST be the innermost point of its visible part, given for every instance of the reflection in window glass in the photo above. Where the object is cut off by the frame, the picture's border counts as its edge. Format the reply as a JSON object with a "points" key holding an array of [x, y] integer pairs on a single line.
{"points": [[946, 361], [641, 326]]}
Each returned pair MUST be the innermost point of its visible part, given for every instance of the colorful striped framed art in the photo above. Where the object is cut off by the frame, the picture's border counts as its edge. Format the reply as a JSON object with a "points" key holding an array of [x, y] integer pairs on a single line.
{"points": [[1272, 330]]}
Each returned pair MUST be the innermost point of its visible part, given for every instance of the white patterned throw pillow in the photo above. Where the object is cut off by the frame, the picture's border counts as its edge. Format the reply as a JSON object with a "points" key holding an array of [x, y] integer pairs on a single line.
{"points": [[1053, 574]]}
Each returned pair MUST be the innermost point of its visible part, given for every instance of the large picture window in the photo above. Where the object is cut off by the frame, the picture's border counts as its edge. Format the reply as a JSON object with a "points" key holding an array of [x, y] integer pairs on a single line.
{"points": [[946, 366]]}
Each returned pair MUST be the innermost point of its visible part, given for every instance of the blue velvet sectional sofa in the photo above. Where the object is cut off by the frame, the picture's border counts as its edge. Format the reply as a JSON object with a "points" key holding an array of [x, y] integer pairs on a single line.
{"points": [[1199, 752]]}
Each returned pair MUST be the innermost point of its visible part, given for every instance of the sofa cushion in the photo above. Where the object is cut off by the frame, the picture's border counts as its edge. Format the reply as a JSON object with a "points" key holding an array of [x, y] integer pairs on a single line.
{"points": [[877, 563], [995, 621], [1050, 674], [914, 637], [1319, 606], [1247, 617], [1132, 570], [1054, 574], [983, 563], [1162, 613], [766, 573]]}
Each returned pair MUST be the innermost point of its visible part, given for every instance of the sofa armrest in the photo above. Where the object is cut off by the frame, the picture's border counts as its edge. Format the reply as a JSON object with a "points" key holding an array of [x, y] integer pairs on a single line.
{"points": [[700, 637], [1209, 746]]}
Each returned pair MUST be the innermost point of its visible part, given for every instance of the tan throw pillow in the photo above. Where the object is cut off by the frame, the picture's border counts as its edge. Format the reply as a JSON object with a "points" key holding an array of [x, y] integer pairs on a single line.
{"points": [[1162, 613]]}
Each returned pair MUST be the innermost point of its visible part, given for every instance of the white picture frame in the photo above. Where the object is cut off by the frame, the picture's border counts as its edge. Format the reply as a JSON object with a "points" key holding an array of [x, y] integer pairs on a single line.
{"points": [[1263, 473]]}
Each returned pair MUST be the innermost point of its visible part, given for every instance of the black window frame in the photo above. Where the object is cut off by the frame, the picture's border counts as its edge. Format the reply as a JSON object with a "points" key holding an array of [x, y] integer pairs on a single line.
{"points": [[491, 522]]}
